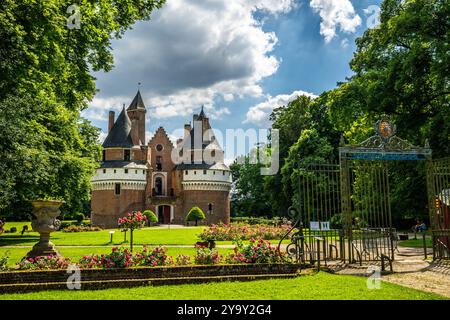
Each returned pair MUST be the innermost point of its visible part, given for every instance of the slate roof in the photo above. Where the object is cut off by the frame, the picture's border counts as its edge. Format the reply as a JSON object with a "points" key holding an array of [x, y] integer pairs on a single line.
{"points": [[199, 166], [137, 103], [135, 164], [120, 134]]}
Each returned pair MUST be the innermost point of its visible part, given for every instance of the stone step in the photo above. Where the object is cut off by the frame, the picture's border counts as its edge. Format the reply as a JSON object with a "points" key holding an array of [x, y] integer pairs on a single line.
{"points": [[128, 283]]}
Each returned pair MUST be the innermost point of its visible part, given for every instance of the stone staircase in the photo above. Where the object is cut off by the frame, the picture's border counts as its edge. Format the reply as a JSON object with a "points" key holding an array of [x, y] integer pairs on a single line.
{"points": [[28, 281]]}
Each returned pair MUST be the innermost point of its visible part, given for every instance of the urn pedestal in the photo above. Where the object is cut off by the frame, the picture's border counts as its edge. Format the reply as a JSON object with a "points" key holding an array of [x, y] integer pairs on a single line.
{"points": [[45, 222]]}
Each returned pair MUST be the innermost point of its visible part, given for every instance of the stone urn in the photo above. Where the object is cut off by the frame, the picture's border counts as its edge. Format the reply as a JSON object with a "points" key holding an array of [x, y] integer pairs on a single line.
{"points": [[45, 222]]}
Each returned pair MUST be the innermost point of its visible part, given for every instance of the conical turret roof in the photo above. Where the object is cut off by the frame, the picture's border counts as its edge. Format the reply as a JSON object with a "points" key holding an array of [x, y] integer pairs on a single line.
{"points": [[137, 103], [120, 134]]}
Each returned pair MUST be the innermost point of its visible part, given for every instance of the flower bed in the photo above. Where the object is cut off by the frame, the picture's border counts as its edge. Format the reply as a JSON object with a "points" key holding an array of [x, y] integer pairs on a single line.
{"points": [[74, 228], [121, 258], [256, 252], [27, 280], [231, 232], [44, 263]]}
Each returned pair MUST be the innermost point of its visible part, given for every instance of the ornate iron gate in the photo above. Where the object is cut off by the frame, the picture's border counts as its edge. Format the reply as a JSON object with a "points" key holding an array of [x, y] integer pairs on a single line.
{"points": [[345, 209], [438, 183]]}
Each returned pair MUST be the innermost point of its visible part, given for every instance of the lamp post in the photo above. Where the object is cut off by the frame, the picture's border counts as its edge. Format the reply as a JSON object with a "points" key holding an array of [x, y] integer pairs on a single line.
{"points": [[111, 233]]}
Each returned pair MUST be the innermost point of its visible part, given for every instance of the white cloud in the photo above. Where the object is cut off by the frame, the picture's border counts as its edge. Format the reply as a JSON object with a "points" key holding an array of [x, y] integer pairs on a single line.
{"points": [[335, 14], [192, 52], [259, 114], [344, 43]]}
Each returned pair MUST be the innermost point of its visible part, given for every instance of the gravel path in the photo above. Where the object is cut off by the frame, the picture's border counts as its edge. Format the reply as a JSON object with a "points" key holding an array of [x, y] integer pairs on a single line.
{"points": [[410, 270]]}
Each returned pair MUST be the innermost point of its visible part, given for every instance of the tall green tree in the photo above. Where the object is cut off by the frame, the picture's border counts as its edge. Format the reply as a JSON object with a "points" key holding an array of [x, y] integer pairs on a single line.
{"points": [[49, 150]]}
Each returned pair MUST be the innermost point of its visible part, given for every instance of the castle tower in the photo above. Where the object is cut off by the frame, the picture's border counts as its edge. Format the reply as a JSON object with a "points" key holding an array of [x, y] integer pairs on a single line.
{"points": [[205, 180], [118, 186]]}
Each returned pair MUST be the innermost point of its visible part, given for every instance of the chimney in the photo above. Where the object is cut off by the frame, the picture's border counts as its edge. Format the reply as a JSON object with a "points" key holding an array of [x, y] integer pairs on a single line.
{"points": [[111, 120], [187, 130]]}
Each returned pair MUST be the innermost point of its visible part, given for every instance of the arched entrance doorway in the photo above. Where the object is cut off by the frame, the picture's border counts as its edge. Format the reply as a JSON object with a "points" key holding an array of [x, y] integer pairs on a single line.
{"points": [[164, 214]]}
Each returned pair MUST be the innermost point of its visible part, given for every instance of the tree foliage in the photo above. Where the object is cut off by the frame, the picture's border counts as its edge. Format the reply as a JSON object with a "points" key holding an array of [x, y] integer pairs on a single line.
{"points": [[401, 69], [48, 149]]}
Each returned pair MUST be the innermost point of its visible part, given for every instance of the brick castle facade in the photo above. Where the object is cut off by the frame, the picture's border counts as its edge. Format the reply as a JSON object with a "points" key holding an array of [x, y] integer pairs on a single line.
{"points": [[167, 179]]}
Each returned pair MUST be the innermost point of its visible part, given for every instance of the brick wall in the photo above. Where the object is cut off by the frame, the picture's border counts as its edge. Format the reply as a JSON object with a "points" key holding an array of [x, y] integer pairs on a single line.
{"points": [[107, 207], [219, 199]]}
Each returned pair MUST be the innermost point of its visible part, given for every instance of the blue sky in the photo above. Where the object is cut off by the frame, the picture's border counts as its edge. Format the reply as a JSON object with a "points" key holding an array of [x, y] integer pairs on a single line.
{"points": [[240, 58]]}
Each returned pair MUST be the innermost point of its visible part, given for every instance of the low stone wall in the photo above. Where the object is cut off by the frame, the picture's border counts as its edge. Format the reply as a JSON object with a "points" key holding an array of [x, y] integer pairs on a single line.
{"points": [[23, 281]]}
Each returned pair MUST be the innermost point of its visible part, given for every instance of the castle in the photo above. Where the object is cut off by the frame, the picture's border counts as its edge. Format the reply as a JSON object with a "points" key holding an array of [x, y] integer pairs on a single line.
{"points": [[167, 179]]}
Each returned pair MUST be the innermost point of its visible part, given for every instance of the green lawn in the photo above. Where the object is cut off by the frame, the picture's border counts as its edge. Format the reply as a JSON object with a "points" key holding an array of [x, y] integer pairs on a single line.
{"points": [[16, 254], [416, 243], [314, 287], [154, 235]]}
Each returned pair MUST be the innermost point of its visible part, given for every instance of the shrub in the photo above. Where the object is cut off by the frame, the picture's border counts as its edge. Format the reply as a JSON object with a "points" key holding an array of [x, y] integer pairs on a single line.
{"points": [[207, 256], [151, 216], [221, 232], [118, 258], [72, 228], [182, 260], [78, 217], [44, 263], [90, 262], [195, 214], [4, 261], [133, 220], [157, 257], [256, 252]]}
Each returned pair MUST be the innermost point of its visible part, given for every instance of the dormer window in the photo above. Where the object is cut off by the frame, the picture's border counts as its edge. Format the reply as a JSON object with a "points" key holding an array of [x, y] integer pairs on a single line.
{"points": [[126, 155]]}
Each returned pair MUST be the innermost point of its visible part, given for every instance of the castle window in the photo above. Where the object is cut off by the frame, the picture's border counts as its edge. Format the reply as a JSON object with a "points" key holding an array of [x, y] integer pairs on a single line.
{"points": [[181, 153], [159, 147], [186, 172], [135, 171], [103, 155], [195, 172], [143, 171], [158, 163], [214, 172], [213, 153], [126, 155], [104, 170], [115, 170], [223, 172], [117, 189], [158, 186], [210, 208], [204, 171], [126, 171]]}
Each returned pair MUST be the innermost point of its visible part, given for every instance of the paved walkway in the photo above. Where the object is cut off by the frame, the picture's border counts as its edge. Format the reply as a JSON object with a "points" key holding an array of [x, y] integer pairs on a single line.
{"points": [[411, 270]]}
